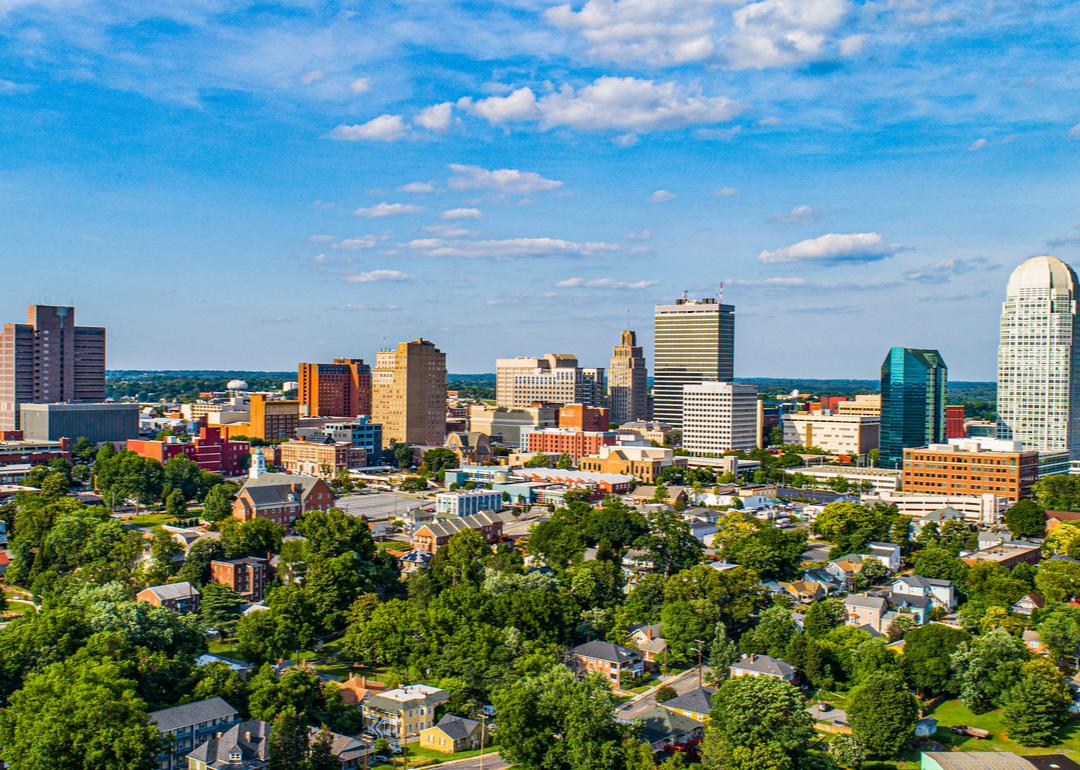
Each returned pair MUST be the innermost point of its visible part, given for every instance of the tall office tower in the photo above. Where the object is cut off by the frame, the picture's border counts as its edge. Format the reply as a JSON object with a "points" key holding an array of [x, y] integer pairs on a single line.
{"points": [[694, 342], [912, 402], [49, 359], [719, 417], [628, 381], [408, 389], [1038, 400], [339, 389], [554, 379]]}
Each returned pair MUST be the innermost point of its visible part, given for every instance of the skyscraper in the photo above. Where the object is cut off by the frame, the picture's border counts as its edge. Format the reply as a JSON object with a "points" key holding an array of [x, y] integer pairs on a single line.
{"points": [[49, 359], [694, 342], [628, 381], [1038, 361], [409, 393], [338, 389], [912, 402], [554, 379]]}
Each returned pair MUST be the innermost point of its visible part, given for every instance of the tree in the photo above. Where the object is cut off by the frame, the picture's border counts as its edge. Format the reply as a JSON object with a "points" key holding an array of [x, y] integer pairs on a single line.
{"points": [[559, 540], [757, 719], [164, 552], [175, 504], [257, 537], [1038, 705], [564, 462], [218, 502], [937, 563], [988, 666], [771, 552], [220, 606], [847, 750], [196, 569], [823, 616], [334, 532], [1058, 580], [772, 634], [438, 460], [927, 658], [1026, 519], [873, 570], [413, 484], [288, 742], [1059, 631], [257, 638], [664, 694], [1058, 493], [181, 474], [882, 713], [320, 753], [538, 460], [403, 455], [671, 542], [55, 485]]}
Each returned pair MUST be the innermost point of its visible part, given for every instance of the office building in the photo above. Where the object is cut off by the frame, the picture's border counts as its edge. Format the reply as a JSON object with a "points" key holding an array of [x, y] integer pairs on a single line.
{"points": [[1038, 362], [322, 457], [509, 425], [719, 417], [645, 463], [847, 434], [208, 450], [954, 422], [863, 403], [554, 379], [409, 393], [338, 389], [97, 422], [466, 503], [49, 359], [912, 402], [361, 433], [694, 342], [582, 417], [266, 419], [972, 467], [576, 443], [628, 381]]}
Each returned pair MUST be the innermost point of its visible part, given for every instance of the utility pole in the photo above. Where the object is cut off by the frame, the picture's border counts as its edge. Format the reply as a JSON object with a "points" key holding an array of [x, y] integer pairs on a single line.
{"points": [[698, 651]]}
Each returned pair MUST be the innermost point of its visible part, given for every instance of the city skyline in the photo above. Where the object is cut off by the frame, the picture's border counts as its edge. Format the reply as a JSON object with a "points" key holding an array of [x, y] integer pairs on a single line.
{"points": [[341, 175]]}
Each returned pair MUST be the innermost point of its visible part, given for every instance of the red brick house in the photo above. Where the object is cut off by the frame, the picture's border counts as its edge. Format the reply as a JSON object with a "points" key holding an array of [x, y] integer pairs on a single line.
{"points": [[607, 659], [247, 576], [437, 533], [178, 597], [280, 497]]}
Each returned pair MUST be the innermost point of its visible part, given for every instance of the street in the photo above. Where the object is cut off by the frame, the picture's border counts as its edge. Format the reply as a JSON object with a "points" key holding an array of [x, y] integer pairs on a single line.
{"points": [[683, 683], [491, 762]]}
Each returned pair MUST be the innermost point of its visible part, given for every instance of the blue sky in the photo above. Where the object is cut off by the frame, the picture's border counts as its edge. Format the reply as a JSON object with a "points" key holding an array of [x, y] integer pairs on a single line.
{"points": [[231, 184]]}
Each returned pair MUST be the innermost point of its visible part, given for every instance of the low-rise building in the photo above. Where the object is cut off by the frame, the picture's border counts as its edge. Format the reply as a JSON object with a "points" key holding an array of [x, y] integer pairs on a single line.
{"points": [[244, 746], [667, 731], [97, 422], [763, 665], [842, 434], [972, 467], [567, 441], [582, 417], [645, 463], [452, 734], [648, 639], [985, 510], [189, 726], [1007, 553], [878, 479], [402, 713], [279, 497], [508, 424], [435, 534], [178, 597], [247, 577], [941, 592], [607, 659], [1029, 603], [323, 458], [868, 404], [467, 502], [649, 430], [695, 704], [605, 483], [351, 753], [471, 447], [208, 450]]}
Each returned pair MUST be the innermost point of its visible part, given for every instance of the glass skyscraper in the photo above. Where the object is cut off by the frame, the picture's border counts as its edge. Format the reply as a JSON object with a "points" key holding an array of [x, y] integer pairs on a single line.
{"points": [[912, 402]]}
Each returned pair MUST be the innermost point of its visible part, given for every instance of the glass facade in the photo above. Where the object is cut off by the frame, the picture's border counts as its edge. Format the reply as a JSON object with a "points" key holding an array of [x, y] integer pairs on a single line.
{"points": [[912, 402]]}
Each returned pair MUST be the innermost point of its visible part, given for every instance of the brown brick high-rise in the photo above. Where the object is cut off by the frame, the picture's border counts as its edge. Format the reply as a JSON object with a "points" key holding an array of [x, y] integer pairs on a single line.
{"points": [[338, 389], [49, 359], [409, 393]]}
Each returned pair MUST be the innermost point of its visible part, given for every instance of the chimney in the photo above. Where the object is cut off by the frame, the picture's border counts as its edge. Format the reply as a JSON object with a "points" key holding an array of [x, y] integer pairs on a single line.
{"points": [[249, 737]]}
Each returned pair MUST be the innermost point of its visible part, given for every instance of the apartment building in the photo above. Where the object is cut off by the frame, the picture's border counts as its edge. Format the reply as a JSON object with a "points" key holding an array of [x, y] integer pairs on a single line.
{"points": [[556, 378], [323, 458], [409, 393], [338, 389], [247, 577], [576, 443]]}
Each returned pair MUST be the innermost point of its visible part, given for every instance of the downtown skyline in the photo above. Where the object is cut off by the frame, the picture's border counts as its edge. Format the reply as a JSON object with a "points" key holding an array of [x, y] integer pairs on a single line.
{"points": [[514, 179]]}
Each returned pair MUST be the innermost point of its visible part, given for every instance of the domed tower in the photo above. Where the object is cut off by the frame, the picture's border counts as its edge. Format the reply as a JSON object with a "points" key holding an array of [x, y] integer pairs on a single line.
{"points": [[1038, 360]]}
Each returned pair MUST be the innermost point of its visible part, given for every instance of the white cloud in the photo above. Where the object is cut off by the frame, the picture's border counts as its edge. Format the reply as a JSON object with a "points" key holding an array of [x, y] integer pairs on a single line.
{"points": [[609, 103], [320, 204], [311, 78], [507, 180], [385, 128], [509, 248], [977, 145], [799, 215], [834, 248], [784, 281], [321, 239], [360, 85], [644, 234], [387, 210], [603, 283], [447, 230], [382, 274], [359, 242], [437, 117], [625, 140], [462, 214], [725, 192], [9, 87], [943, 270], [417, 187], [366, 308], [661, 196], [1074, 132]]}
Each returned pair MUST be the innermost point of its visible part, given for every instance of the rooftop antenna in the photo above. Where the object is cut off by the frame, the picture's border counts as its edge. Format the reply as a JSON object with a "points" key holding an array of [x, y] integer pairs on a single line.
{"points": [[720, 294], [685, 296]]}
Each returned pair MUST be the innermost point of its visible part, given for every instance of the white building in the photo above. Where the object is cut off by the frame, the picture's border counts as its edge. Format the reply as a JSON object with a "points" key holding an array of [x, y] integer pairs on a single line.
{"points": [[1038, 361], [851, 434], [880, 479], [719, 417], [985, 510], [693, 341], [466, 503], [554, 379]]}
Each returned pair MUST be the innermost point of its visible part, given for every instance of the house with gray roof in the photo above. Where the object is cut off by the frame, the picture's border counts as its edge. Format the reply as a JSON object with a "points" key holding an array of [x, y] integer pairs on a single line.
{"points": [[696, 703], [665, 730], [865, 610], [607, 659], [351, 753], [433, 535], [244, 746], [452, 734], [189, 725], [178, 597], [941, 592], [763, 665], [281, 497]]}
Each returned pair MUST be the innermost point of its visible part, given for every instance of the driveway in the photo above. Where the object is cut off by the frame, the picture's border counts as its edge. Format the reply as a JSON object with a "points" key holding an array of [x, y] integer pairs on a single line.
{"points": [[682, 683]]}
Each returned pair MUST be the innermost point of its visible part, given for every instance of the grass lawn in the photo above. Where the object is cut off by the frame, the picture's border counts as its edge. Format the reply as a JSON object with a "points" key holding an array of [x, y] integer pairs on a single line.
{"points": [[394, 545], [652, 682], [953, 712], [150, 520]]}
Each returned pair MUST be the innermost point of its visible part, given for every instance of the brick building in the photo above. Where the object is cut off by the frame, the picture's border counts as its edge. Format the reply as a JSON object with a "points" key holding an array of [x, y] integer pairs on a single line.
{"points": [[338, 389], [972, 467], [607, 659], [575, 443], [645, 463], [436, 533], [178, 597], [323, 458], [408, 390], [267, 420], [208, 450], [585, 418], [247, 577], [279, 497], [954, 422]]}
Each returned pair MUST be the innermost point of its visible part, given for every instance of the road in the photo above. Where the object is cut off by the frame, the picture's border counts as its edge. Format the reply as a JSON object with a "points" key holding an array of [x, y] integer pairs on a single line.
{"points": [[491, 762], [683, 683]]}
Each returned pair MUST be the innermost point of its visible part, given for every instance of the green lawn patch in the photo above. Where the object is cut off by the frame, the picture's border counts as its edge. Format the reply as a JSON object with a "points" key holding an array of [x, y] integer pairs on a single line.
{"points": [[394, 545], [150, 520], [953, 712]]}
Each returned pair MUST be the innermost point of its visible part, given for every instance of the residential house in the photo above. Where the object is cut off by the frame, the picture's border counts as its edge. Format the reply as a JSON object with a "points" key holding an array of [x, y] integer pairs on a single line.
{"points": [[991, 760], [189, 726], [354, 689], [845, 569], [941, 592], [471, 448], [763, 665], [695, 704], [878, 611], [402, 713], [648, 640], [667, 731], [1029, 603], [244, 746], [644, 494], [865, 610], [432, 536], [414, 561], [1033, 641], [803, 591], [828, 581], [280, 497], [916, 607], [453, 734], [886, 553], [247, 577], [605, 658], [178, 597], [636, 563], [938, 516], [351, 753]]}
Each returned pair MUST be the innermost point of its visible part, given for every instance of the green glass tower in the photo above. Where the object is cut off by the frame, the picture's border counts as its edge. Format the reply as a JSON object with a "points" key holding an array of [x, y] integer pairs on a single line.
{"points": [[912, 402]]}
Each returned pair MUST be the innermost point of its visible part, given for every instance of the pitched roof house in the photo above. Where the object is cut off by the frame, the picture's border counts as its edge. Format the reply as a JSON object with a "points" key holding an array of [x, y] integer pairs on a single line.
{"points": [[763, 665], [941, 592], [178, 597], [436, 533], [696, 703], [190, 725], [244, 746], [605, 658], [452, 734], [648, 640], [281, 497], [1028, 604]]}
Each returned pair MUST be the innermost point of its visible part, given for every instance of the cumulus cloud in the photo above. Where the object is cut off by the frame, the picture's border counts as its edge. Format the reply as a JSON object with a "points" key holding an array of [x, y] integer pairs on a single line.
{"points": [[725, 192], [437, 117], [359, 242], [944, 270], [834, 248], [417, 187], [385, 128], [603, 283], [799, 215], [380, 210], [644, 234], [509, 248], [770, 33], [311, 78], [360, 85], [462, 214], [506, 180], [609, 103], [977, 145], [382, 274], [661, 196]]}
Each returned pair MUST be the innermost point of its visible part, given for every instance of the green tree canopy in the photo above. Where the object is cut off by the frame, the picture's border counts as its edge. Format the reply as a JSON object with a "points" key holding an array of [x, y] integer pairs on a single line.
{"points": [[882, 713], [1037, 706], [927, 658], [1026, 519]]}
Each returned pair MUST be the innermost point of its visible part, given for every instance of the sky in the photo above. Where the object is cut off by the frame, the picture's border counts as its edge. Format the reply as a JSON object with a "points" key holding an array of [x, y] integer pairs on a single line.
{"points": [[229, 184]]}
